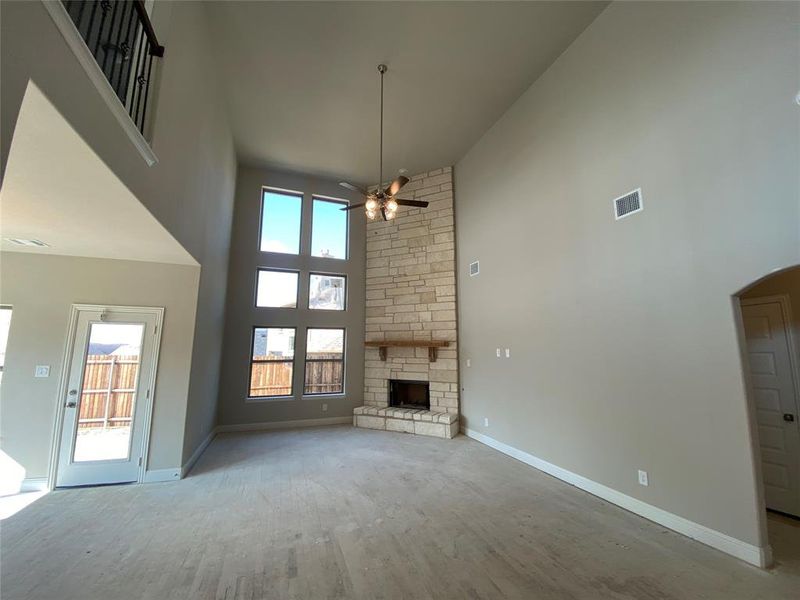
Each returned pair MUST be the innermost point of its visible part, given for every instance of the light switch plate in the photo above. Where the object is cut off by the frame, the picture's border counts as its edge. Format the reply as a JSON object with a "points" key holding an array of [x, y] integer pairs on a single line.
{"points": [[42, 371], [643, 480], [469, 363], [498, 353], [508, 352]]}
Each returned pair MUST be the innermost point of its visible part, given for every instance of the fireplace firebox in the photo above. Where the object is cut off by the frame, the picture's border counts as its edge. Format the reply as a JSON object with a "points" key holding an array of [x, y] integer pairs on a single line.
{"points": [[409, 394]]}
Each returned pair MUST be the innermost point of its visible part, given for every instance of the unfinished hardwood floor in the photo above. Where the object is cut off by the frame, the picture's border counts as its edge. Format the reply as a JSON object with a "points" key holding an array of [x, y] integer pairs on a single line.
{"points": [[339, 512]]}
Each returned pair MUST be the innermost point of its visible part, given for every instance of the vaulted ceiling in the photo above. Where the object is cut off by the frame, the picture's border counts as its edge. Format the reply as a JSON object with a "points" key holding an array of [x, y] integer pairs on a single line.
{"points": [[303, 88]]}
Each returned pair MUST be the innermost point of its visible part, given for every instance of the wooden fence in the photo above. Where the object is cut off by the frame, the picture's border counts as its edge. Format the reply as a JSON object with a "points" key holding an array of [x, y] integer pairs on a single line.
{"points": [[109, 391], [275, 378]]}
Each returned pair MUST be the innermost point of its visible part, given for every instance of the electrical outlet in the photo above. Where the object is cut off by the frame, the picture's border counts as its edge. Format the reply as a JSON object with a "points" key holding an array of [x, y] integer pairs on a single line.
{"points": [[498, 353], [508, 352], [643, 478], [486, 422], [469, 363], [324, 408], [42, 371]]}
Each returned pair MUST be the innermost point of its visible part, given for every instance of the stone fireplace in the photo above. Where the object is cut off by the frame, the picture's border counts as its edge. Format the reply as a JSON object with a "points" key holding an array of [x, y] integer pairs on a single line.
{"points": [[411, 313]]}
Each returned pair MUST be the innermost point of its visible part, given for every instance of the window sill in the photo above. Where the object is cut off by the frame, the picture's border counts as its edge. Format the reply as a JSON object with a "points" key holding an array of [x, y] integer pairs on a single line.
{"points": [[260, 399]]}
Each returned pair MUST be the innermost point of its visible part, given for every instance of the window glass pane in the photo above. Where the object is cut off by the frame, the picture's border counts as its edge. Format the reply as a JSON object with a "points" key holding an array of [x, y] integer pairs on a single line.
{"points": [[276, 289], [280, 222], [272, 361], [326, 292], [5, 325], [329, 229], [324, 361]]}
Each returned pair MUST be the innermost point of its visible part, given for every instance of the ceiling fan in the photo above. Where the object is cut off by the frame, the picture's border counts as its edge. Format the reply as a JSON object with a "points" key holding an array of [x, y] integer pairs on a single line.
{"points": [[380, 201]]}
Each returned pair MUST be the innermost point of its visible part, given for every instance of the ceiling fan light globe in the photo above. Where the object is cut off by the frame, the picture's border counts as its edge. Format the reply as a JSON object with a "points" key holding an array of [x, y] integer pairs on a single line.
{"points": [[372, 204], [391, 205]]}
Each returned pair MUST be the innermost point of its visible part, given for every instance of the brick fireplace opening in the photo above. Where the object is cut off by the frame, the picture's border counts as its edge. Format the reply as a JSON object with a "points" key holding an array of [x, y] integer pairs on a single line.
{"points": [[409, 394]]}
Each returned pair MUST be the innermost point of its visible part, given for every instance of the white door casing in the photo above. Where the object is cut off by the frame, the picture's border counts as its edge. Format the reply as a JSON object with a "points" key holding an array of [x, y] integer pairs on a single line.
{"points": [[774, 383], [125, 459]]}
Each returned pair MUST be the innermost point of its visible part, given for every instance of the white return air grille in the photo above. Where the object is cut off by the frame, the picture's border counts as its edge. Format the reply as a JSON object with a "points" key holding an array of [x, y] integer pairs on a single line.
{"points": [[474, 268], [628, 204]]}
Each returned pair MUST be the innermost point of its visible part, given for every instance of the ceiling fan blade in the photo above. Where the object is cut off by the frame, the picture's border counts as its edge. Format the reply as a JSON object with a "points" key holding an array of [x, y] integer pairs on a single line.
{"points": [[350, 186], [352, 206], [395, 186], [420, 203]]}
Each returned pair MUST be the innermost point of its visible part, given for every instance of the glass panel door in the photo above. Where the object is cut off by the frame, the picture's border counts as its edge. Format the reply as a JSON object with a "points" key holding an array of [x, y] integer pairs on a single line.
{"points": [[108, 393]]}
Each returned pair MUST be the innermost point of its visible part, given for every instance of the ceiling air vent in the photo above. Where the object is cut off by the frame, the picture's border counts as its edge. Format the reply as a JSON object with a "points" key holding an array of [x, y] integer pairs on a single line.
{"points": [[628, 204], [24, 242], [474, 268]]}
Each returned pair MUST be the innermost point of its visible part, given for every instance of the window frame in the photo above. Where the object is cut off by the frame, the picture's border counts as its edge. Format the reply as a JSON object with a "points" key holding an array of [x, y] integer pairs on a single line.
{"points": [[328, 310], [343, 360], [332, 200], [277, 270], [285, 192], [290, 395]]}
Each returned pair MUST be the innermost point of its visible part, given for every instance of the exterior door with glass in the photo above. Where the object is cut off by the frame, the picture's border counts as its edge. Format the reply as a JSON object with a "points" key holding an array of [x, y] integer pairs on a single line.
{"points": [[108, 396]]}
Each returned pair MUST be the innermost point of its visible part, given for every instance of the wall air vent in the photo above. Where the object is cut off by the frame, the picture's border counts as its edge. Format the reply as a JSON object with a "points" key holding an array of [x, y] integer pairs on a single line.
{"points": [[24, 242], [474, 268], [628, 204]]}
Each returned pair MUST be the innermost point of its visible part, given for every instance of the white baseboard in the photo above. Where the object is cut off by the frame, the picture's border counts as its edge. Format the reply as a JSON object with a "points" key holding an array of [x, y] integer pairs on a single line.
{"points": [[33, 484], [197, 453], [755, 555], [156, 475], [284, 424]]}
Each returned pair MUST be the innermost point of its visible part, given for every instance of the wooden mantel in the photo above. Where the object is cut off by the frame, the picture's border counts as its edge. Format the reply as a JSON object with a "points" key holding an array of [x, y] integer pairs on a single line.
{"points": [[431, 345]]}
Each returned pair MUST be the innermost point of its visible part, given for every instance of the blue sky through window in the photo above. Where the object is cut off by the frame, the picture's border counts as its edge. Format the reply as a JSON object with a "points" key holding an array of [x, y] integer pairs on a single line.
{"points": [[329, 229], [280, 223]]}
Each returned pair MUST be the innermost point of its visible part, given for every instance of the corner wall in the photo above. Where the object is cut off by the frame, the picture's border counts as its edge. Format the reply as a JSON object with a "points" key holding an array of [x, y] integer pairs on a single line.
{"points": [[624, 352]]}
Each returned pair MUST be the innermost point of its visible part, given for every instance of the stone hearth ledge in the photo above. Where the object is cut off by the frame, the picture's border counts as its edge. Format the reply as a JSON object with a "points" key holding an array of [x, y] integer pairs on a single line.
{"points": [[407, 420]]}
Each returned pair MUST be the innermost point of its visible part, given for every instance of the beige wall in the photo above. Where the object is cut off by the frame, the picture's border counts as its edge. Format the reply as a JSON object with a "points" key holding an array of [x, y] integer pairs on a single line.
{"points": [[41, 290], [624, 352], [190, 189], [242, 314]]}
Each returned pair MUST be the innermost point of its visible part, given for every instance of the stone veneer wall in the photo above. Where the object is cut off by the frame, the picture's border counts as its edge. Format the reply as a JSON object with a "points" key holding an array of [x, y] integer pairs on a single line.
{"points": [[411, 293]]}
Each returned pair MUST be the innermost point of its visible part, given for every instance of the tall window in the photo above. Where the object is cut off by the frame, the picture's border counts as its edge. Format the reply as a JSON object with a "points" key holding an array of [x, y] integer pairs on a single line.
{"points": [[272, 362], [281, 214], [329, 229], [324, 361], [298, 284]]}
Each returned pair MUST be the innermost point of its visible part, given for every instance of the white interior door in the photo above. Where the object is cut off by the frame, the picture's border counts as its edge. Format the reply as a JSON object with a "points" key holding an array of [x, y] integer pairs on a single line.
{"points": [[775, 395], [107, 403]]}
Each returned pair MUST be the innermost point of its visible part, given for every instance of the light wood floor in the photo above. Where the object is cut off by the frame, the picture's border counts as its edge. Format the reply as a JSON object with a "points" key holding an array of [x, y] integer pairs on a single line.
{"points": [[352, 513]]}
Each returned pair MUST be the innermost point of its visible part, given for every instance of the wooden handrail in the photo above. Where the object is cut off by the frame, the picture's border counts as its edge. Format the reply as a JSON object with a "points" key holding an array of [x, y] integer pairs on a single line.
{"points": [[156, 49]]}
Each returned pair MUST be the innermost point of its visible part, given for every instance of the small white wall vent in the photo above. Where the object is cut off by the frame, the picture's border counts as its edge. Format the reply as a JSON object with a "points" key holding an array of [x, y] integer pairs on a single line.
{"points": [[474, 268], [25, 242], [628, 204]]}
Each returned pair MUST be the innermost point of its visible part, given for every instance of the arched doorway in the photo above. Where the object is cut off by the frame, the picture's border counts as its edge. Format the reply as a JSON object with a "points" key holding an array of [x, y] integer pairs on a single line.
{"points": [[770, 339]]}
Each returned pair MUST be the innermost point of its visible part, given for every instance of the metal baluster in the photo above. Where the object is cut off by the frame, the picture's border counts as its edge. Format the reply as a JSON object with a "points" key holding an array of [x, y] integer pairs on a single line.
{"points": [[135, 78], [105, 6], [123, 49], [143, 49], [109, 47], [147, 90]]}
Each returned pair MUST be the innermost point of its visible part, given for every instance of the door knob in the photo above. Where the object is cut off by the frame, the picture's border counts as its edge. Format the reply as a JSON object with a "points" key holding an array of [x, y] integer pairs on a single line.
{"points": [[788, 417]]}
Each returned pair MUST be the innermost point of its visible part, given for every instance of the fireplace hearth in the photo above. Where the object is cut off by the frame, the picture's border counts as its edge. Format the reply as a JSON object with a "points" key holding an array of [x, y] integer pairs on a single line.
{"points": [[409, 394]]}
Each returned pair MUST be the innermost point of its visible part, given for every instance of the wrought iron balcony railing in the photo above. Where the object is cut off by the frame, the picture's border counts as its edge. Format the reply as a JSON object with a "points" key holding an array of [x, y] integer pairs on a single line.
{"points": [[121, 37]]}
